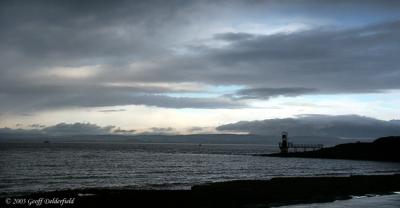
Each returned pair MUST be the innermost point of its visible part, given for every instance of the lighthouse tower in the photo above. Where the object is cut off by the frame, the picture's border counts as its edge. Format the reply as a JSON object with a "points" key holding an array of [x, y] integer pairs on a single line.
{"points": [[284, 145]]}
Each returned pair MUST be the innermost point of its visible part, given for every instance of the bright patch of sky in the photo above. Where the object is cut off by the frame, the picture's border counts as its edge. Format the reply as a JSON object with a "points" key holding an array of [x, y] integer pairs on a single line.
{"points": [[381, 106]]}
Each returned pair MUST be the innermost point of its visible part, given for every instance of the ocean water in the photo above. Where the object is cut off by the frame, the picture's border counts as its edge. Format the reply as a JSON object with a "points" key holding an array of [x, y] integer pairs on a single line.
{"points": [[381, 201], [32, 167]]}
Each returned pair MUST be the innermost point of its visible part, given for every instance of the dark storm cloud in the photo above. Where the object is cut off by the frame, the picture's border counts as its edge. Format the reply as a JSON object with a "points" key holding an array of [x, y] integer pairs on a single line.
{"points": [[61, 31], [39, 96], [267, 93], [330, 60], [350, 60], [98, 98], [136, 41], [348, 126], [45, 34]]}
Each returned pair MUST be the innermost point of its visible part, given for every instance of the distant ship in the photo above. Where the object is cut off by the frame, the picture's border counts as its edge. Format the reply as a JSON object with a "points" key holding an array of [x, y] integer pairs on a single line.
{"points": [[46, 142]]}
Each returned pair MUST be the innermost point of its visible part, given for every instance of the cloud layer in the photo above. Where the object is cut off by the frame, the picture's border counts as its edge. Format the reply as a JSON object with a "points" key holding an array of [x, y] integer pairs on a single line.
{"points": [[346, 126], [63, 129], [58, 54], [267, 93]]}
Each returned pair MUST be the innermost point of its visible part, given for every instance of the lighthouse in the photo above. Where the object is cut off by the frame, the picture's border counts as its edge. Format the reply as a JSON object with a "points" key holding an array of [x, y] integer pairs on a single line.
{"points": [[284, 145]]}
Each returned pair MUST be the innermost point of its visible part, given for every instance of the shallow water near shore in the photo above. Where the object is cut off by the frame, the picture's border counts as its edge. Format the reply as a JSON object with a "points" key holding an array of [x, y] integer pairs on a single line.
{"points": [[381, 201], [33, 167]]}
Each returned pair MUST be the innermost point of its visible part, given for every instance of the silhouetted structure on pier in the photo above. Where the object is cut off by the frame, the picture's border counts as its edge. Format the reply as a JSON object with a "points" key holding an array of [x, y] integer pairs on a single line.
{"points": [[285, 145]]}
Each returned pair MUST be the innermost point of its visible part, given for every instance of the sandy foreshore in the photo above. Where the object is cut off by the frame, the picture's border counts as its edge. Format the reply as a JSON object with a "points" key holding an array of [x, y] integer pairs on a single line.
{"points": [[245, 193]]}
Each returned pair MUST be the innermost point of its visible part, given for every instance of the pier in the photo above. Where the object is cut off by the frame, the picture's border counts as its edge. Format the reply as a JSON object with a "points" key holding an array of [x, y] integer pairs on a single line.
{"points": [[286, 146]]}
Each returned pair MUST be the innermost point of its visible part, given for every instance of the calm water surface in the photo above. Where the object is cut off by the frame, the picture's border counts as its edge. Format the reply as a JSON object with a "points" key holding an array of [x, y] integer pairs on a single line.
{"points": [[31, 167]]}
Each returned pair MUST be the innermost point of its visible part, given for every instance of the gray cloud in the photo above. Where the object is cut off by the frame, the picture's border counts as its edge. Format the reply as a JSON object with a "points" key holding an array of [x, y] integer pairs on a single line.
{"points": [[233, 37], [354, 60], [123, 131], [137, 42], [161, 131], [62, 129], [347, 126], [45, 97], [101, 100], [201, 130], [37, 126], [7, 131], [329, 60], [77, 129], [112, 111], [197, 129], [267, 93]]}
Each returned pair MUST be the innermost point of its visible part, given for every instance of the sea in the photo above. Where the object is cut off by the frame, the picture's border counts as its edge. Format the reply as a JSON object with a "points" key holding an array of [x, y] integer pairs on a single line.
{"points": [[27, 167]]}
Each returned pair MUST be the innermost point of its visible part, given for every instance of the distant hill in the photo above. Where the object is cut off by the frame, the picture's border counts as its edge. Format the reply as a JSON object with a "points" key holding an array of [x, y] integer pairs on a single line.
{"points": [[192, 138], [382, 149]]}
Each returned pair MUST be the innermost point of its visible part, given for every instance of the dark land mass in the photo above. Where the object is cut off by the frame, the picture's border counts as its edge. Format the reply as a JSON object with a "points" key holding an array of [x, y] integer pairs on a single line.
{"points": [[382, 149], [242, 193]]}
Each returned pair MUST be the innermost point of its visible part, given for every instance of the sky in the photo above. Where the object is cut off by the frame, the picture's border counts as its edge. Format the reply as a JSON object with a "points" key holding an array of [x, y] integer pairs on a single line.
{"points": [[197, 66]]}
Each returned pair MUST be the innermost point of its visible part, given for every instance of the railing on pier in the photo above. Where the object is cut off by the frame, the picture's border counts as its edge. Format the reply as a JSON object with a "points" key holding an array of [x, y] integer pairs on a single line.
{"points": [[303, 147]]}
